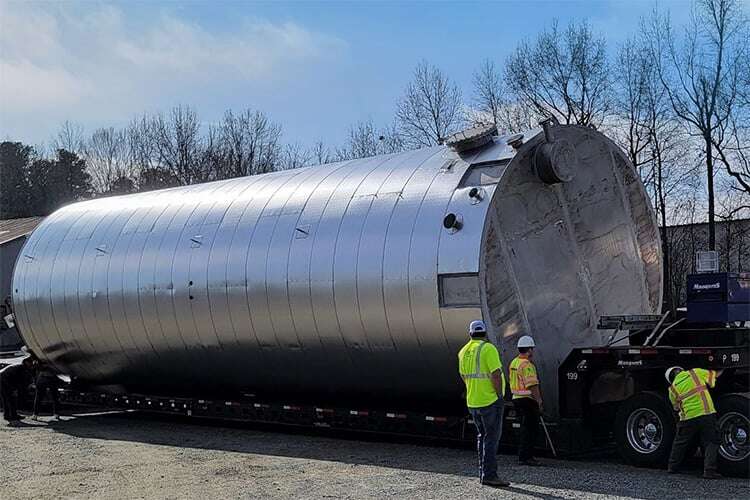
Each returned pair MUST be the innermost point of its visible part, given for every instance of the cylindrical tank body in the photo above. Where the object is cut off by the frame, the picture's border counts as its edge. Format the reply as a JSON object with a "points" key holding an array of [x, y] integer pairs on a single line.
{"points": [[344, 280]]}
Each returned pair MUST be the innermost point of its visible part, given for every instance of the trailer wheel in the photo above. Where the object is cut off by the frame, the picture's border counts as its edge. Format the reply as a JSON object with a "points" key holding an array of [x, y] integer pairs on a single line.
{"points": [[734, 434], [644, 430]]}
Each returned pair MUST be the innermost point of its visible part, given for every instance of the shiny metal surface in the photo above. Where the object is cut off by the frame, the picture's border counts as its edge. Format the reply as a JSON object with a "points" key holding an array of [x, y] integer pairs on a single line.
{"points": [[340, 280]]}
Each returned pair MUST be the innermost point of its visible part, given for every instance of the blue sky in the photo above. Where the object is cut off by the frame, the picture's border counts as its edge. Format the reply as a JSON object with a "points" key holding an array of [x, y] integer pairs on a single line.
{"points": [[314, 67]]}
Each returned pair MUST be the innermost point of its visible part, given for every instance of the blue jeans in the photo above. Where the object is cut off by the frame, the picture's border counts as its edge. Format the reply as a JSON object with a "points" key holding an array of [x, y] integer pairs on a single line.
{"points": [[489, 422]]}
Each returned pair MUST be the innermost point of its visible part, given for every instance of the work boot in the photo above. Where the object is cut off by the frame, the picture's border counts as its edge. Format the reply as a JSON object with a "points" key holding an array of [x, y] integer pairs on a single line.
{"points": [[495, 482], [532, 462], [711, 474]]}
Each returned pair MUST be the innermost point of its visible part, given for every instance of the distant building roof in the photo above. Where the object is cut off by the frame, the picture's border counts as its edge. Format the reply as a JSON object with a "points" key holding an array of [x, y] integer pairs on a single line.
{"points": [[11, 229]]}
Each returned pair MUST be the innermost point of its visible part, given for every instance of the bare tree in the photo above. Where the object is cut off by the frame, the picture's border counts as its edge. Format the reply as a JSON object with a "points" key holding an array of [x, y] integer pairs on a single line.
{"points": [[294, 156], [365, 140], [141, 143], [320, 154], [564, 74], [70, 138], [655, 142], [631, 128], [430, 108], [733, 148], [177, 143], [702, 76], [488, 93], [108, 160], [250, 141]]}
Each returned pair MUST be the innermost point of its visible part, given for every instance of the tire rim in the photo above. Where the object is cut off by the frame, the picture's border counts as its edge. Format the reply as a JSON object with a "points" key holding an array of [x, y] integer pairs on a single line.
{"points": [[644, 430], [734, 429]]}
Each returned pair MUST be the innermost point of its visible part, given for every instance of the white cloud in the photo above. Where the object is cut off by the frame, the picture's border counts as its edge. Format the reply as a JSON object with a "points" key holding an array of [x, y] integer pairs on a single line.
{"points": [[92, 61]]}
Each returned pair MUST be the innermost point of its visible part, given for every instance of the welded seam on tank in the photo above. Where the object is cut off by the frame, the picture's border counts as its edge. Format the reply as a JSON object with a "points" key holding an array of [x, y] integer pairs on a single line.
{"points": [[334, 190], [135, 299], [35, 279], [208, 189], [468, 162], [262, 182], [583, 274], [501, 185], [157, 251], [404, 159], [253, 307], [202, 189], [76, 255], [335, 245], [289, 250], [634, 237], [250, 182], [104, 235], [77, 261], [382, 266], [354, 169], [117, 238], [106, 279], [199, 222], [20, 270], [155, 242], [140, 250], [228, 189], [29, 273], [247, 257], [428, 159], [156, 245], [301, 181], [655, 233], [162, 253], [71, 290], [385, 161], [170, 252], [118, 234], [411, 245]]}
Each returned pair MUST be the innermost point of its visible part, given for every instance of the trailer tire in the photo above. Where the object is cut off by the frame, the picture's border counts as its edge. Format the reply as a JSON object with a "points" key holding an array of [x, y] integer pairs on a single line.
{"points": [[734, 434], [645, 429]]}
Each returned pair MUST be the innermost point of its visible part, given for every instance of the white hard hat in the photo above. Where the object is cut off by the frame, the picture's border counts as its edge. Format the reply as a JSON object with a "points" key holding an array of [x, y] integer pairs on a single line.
{"points": [[477, 326], [526, 341], [669, 371]]}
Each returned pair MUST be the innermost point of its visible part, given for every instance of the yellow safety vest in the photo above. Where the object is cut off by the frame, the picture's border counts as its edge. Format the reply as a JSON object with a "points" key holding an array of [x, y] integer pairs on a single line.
{"points": [[476, 362], [689, 393], [523, 376]]}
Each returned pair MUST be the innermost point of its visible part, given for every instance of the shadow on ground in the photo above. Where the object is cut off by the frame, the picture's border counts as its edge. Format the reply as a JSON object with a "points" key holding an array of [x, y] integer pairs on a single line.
{"points": [[603, 475]]}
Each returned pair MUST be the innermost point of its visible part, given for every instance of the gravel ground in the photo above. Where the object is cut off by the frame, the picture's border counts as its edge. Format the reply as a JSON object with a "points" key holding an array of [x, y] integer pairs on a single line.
{"points": [[133, 456]]}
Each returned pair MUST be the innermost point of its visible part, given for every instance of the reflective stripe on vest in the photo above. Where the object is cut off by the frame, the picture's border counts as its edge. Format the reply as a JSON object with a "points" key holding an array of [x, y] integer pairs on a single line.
{"points": [[711, 378], [478, 370], [520, 378], [699, 388]]}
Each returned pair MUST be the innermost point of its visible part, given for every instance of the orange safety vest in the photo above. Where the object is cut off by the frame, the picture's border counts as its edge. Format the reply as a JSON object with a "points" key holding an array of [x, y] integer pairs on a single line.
{"points": [[689, 393], [522, 376]]}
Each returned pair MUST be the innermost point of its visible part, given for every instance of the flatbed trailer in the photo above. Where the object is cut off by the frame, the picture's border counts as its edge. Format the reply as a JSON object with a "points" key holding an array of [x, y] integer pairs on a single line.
{"points": [[608, 394]]}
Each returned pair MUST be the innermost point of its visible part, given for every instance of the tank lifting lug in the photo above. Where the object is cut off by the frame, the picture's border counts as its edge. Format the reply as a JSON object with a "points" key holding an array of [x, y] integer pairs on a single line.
{"points": [[554, 161]]}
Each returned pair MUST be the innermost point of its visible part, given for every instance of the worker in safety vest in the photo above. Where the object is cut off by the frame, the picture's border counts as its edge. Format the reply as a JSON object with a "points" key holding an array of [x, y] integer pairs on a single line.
{"points": [[481, 370], [688, 392], [527, 399]]}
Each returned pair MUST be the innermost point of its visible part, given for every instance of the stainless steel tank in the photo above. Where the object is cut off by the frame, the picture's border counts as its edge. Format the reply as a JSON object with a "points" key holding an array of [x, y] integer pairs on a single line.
{"points": [[350, 280]]}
